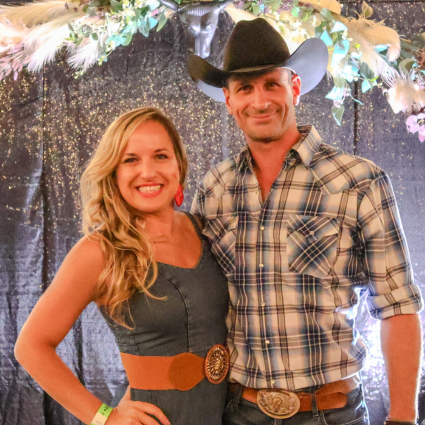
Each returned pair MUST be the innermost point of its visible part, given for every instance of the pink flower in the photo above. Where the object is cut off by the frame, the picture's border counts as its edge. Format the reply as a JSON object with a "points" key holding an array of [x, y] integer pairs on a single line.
{"points": [[421, 132], [412, 124]]}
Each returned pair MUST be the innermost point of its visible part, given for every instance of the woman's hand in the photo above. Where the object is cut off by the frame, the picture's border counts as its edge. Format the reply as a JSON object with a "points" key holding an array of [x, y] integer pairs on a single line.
{"points": [[130, 412]]}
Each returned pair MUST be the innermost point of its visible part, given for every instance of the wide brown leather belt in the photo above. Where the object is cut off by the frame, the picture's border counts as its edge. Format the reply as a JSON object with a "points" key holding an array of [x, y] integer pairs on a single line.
{"points": [[181, 372], [283, 404]]}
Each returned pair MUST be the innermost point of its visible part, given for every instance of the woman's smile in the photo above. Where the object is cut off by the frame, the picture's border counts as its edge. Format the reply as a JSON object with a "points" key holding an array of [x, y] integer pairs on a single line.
{"points": [[150, 190]]}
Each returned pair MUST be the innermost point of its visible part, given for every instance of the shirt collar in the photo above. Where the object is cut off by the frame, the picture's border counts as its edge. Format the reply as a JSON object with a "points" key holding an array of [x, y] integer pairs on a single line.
{"points": [[308, 144], [306, 147], [244, 159]]}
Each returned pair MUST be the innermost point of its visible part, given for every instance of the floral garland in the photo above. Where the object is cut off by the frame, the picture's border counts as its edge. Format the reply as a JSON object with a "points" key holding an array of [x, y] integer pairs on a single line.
{"points": [[360, 48]]}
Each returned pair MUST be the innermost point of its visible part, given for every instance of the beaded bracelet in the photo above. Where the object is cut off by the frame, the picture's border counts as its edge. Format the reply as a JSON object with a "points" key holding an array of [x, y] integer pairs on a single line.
{"points": [[102, 415]]}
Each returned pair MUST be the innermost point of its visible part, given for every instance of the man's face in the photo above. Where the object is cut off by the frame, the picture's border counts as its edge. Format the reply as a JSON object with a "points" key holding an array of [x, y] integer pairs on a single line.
{"points": [[263, 106]]}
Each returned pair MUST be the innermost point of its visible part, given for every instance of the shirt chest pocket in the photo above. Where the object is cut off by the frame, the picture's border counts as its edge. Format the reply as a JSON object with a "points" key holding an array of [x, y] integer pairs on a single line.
{"points": [[312, 244]]}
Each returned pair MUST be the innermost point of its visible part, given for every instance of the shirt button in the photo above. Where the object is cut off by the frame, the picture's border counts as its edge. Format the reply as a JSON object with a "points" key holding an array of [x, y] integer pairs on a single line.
{"points": [[261, 266], [262, 228], [312, 233], [263, 304], [267, 341], [273, 382]]}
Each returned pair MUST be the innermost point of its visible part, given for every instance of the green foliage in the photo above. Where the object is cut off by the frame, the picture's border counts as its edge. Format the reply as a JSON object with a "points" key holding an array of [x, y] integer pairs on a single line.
{"points": [[162, 21], [337, 113], [296, 11], [274, 5], [367, 11], [327, 14], [406, 65], [116, 6], [121, 19]]}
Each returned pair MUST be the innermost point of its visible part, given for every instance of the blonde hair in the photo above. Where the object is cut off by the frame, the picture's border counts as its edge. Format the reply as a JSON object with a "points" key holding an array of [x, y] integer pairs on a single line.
{"points": [[128, 250]]}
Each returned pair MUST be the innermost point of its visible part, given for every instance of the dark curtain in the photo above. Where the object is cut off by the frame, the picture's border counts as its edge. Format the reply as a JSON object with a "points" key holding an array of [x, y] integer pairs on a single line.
{"points": [[51, 122]]}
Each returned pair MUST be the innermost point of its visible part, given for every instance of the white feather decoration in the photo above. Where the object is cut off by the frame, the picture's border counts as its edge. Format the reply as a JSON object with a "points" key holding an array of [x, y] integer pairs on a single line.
{"points": [[38, 12], [404, 95], [87, 53], [375, 33], [11, 35], [44, 41], [361, 34], [11, 48], [54, 28]]}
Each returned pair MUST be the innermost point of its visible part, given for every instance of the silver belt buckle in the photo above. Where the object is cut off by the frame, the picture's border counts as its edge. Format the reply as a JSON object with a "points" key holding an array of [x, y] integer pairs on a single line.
{"points": [[279, 404]]}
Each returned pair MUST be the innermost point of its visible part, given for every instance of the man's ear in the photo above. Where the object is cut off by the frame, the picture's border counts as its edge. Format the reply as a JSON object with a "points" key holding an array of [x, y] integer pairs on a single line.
{"points": [[227, 98], [296, 88]]}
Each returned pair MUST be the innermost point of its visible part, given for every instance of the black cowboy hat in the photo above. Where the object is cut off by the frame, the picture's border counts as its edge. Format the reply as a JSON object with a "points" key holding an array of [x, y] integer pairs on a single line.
{"points": [[254, 46]]}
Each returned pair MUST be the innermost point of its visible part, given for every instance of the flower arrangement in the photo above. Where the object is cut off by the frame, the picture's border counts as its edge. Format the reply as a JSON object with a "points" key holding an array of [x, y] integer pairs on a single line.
{"points": [[360, 48], [90, 30]]}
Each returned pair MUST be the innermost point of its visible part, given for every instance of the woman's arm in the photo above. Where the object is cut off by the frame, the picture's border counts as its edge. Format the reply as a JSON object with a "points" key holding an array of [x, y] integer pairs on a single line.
{"points": [[72, 289], [401, 341]]}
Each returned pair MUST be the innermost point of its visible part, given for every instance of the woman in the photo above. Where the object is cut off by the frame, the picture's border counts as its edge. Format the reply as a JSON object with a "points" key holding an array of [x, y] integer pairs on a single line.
{"points": [[154, 279]]}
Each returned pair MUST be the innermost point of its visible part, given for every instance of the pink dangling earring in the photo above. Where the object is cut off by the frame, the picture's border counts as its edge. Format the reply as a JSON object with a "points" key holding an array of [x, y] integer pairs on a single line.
{"points": [[179, 196]]}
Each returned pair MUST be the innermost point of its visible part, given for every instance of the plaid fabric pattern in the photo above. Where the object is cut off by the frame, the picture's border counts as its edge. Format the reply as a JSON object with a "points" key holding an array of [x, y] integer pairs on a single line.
{"points": [[298, 262]]}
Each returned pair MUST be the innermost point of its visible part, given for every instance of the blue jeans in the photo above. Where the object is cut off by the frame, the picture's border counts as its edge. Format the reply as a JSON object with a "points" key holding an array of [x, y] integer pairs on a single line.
{"points": [[242, 412]]}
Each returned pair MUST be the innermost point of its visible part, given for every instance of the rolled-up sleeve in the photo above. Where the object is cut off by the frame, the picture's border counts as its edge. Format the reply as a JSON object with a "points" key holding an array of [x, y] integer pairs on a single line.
{"points": [[387, 264]]}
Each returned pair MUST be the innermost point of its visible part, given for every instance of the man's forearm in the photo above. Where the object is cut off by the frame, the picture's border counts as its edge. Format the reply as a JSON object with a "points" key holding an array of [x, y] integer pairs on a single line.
{"points": [[401, 341]]}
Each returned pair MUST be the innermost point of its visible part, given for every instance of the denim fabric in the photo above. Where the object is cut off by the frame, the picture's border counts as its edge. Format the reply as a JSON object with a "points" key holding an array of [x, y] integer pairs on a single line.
{"points": [[190, 319], [242, 412]]}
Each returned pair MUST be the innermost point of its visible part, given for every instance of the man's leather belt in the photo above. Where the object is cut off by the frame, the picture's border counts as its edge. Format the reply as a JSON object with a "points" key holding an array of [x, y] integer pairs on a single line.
{"points": [[283, 404], [181, 372]]}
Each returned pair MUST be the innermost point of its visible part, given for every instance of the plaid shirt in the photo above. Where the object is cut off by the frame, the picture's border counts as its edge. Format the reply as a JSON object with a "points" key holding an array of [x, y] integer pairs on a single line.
{"points": [[298, 262]]}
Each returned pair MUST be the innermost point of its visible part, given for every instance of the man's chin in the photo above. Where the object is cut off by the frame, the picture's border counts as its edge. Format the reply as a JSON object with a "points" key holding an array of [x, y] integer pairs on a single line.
{"points": [[265, 134], [263, 138]]}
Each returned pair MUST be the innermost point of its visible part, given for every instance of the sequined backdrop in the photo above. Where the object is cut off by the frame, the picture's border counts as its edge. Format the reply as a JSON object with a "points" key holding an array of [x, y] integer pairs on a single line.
{"points": [[50, 124]]}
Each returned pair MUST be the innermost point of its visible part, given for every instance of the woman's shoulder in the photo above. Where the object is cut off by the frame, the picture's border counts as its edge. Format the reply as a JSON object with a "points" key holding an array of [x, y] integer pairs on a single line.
{"points": [[89, 250], [192, 220], [84, 264]]}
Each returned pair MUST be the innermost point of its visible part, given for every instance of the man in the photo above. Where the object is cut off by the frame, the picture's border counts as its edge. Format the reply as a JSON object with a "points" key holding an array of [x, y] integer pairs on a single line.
{"points": [[301, 230]]}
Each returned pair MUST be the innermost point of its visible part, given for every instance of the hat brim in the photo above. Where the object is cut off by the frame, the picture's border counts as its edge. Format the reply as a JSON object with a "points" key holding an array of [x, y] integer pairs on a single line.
{"points": [[309, 61]]}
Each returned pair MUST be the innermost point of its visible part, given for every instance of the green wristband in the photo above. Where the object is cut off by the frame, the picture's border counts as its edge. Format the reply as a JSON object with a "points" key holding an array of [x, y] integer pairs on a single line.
{"points": [[102, 415]]}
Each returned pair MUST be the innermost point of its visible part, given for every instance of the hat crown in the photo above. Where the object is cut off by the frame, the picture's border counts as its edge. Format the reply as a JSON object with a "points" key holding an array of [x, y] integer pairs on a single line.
{"points": [[254, 43]]}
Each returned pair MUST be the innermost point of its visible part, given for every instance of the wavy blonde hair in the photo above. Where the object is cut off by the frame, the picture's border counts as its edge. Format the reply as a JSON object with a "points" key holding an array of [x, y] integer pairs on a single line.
{"points": [[128, 251]]}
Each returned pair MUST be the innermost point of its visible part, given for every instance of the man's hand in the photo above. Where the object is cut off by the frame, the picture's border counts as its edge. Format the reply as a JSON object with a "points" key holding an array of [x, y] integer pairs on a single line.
{"points": [[401, 342]]}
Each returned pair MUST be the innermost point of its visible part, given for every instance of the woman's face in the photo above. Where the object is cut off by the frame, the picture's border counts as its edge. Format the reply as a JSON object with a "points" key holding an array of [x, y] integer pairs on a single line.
{"points": [[148, 172]]}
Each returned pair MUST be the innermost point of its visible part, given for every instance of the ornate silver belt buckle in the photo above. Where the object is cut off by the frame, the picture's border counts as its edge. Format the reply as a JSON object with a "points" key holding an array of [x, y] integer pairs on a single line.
{"points": [[277, 403], [217, 364]]}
